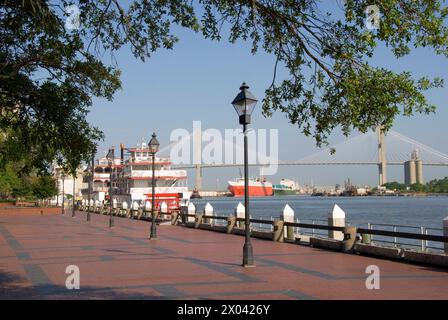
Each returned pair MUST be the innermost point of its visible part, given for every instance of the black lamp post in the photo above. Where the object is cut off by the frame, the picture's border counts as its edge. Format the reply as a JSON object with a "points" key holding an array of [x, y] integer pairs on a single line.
{"points": [[110, 159], [153, 145], [63, 193], [244, 103], [91, 182], [57, 188], [73, 196]]}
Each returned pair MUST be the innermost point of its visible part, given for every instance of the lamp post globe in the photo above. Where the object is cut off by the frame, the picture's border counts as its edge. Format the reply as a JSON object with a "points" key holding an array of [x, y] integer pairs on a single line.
{"points": [[244, 104], [153, 146]]}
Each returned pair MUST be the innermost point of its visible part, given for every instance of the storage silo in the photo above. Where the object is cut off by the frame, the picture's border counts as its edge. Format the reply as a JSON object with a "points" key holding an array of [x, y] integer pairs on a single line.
{"points": [[419, 171], [409, 172]]}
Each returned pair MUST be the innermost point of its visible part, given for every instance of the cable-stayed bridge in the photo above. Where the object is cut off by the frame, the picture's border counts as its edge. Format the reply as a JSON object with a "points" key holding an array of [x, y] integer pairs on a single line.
{"points": [[371, 149]]}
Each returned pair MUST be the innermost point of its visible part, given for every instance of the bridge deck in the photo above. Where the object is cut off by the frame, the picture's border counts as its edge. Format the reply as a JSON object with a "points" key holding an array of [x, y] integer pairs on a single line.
{"points": [[186, 264]]}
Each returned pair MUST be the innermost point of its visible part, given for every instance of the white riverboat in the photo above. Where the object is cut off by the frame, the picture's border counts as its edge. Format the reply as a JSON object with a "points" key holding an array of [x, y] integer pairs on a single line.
{"points": [[132, 179]]}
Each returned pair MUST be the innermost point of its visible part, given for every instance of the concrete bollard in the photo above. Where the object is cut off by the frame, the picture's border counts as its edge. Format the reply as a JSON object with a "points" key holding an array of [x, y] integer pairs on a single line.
{"points": [[240, 212], [139, 213], [230, 223], [445, 232], [336, 218], [174, 217], [198, 220], [191, 210], [287, 215], [208, 211], [349, 239], [278, 233]]}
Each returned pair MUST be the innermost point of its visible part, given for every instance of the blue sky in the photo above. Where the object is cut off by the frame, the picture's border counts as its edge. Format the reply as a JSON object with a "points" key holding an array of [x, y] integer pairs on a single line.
{"points": [[198, 80]]}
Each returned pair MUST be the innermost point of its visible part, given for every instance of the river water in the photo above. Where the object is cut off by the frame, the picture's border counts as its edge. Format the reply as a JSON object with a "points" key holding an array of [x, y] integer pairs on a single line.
{"points": [[413, 211]]}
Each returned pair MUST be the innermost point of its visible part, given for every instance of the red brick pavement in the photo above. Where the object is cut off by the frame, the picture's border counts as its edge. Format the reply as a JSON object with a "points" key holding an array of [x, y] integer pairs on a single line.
{"points": [[186, 263]]}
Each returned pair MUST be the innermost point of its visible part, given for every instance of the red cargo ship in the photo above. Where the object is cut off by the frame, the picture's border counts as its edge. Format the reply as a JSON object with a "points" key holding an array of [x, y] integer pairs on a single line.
{"points": [[257, 188]]}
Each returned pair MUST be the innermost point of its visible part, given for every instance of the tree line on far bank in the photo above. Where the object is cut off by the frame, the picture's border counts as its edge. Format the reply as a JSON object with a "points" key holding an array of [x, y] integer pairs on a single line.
{"points": [[433, 186]]}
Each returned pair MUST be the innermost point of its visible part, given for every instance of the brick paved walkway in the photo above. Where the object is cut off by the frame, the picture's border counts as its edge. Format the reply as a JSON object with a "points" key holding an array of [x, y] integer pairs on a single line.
{"points": [[186, 263]]}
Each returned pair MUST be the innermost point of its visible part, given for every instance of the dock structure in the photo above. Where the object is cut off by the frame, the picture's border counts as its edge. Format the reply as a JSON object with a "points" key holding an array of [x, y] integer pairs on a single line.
{"points": [[187, 263]]}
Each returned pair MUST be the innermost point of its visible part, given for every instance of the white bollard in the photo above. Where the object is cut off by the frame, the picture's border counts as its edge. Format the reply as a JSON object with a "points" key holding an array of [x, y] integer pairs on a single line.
{"points": [[114, 203], [191, 210], [208, 211], [336, 218], [148, 208], [445, 232], [287, 215], [134, 208], [124, 208], [240, 212]]}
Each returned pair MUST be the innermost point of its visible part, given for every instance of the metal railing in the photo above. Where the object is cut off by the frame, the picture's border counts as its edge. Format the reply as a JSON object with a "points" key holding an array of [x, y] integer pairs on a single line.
{"points": [[422, 244], [422, 239], [313, 231], [263, 227], [423, 236]]}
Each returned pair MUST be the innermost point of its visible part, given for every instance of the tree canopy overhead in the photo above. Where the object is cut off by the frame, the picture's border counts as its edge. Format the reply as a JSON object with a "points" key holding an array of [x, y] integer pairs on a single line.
{"points": [[49, 74]]}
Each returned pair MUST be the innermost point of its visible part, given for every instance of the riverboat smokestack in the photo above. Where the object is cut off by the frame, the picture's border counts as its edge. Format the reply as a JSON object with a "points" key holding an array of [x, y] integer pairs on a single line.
{"points": [[122, 153]]}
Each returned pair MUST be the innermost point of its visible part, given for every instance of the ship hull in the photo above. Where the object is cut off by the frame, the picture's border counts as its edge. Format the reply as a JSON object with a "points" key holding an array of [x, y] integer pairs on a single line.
{"points": [[261, 190], [279, 192]]}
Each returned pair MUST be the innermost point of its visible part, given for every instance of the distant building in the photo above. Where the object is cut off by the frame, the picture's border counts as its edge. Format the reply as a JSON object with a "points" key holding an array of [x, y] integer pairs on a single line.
{"points": [[362, 191], [64, 182]]}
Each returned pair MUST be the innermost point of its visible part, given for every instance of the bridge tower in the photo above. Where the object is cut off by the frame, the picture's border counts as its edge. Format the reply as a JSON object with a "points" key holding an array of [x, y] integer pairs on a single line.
{"points": [[382, 161], [198, 181], [197, 156]]}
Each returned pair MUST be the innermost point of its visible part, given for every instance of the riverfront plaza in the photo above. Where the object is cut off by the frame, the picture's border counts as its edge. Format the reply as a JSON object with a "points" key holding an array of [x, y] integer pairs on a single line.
{"points": [[185, 263]]}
